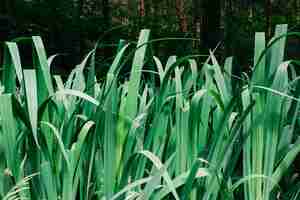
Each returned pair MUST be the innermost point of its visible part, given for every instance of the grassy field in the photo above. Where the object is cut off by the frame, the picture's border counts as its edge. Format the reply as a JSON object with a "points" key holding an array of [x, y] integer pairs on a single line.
{"points": [[187, 130]]}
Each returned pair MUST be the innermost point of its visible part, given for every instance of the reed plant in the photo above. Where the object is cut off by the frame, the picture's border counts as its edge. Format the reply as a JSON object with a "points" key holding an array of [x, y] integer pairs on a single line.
{"points": [[186, 130]]}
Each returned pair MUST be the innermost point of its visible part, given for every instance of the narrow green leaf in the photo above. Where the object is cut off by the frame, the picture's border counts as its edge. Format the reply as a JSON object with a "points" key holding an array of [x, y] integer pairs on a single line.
{"points": [[30, 84]]}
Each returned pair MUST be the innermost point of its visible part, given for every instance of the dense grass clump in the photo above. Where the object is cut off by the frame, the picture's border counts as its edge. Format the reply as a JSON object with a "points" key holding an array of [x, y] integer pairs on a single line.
{"points": [[184, 132]]}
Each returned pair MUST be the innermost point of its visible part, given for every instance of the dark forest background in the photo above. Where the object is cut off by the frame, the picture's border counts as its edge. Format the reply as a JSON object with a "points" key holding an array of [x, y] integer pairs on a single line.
{"points": [[71, 27]]}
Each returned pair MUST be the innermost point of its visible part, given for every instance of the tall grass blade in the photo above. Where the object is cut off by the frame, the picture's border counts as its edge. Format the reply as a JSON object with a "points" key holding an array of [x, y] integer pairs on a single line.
{"points": [[9, 134], [30, 88], [135, 75]]}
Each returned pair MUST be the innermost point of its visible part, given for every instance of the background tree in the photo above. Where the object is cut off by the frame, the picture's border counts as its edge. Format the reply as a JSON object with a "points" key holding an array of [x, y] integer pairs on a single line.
{"points": [[106, 13], [72, 26], [210, 27], [268, 14], [181, 16], [197, 10]]}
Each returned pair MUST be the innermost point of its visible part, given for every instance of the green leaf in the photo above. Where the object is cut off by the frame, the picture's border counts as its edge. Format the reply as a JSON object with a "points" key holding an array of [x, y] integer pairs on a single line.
{"points": [[135, 75], [30, 84], [9, 134], [157, 163]]}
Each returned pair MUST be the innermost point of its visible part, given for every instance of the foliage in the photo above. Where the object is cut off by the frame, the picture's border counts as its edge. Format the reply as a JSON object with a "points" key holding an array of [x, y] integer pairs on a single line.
{"points": [[184, 131]]}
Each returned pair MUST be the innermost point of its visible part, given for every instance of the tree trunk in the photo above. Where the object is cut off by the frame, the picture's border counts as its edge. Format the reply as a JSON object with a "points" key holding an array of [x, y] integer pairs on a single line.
{"points": [[268, 13], [197, 17], [106, 13], [210, 26], [181, 16], [142, 8]]}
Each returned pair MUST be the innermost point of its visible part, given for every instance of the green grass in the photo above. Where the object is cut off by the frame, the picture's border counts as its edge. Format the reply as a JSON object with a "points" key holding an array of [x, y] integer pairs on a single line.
{"points": [[184, 131]]}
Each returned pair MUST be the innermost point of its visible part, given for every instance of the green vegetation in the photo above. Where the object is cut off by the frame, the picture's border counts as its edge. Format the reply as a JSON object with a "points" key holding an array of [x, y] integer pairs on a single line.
{"points": [[187, 130]]}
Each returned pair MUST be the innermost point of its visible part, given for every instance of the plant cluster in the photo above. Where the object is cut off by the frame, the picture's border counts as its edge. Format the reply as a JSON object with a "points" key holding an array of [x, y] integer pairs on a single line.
{"points": [[184, 131]]}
